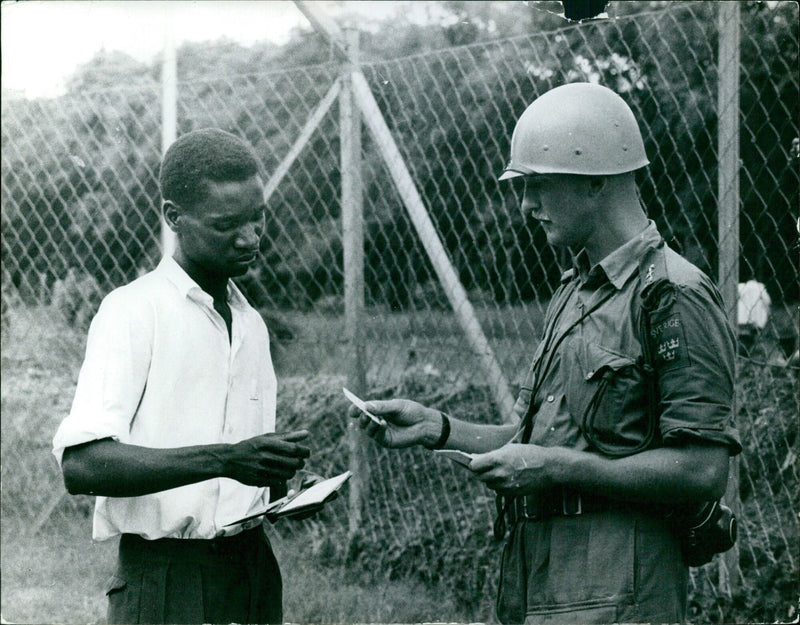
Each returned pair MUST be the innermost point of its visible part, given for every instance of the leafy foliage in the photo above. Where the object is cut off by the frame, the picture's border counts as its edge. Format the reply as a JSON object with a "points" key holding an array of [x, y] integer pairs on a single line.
{"points": [[82, 192]]}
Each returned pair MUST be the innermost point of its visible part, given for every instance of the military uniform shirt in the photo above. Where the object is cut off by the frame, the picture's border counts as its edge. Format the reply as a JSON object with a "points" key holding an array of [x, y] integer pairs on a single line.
{"points": [[585, 370]]}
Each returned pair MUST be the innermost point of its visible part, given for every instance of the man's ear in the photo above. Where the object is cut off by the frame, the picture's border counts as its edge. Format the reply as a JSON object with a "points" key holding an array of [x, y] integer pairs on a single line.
{"points": [[172, 214]]}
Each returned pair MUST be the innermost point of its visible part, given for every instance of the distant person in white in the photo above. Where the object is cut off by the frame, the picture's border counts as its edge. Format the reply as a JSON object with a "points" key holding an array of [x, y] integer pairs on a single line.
{"points": [[753, 305], [752, 310], [172, 425]]}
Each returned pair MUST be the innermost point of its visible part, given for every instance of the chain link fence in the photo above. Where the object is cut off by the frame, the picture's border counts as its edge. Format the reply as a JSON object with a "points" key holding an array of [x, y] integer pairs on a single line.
{"points": [[80, 217]]}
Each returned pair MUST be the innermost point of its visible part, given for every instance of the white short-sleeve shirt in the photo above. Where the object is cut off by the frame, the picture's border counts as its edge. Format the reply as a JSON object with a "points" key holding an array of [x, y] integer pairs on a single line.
{"points": [[160, 371]]}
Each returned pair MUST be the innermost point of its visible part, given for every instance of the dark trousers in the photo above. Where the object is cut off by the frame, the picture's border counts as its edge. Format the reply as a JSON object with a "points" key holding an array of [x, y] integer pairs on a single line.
{"points": [[604, 567], [224, 580]]}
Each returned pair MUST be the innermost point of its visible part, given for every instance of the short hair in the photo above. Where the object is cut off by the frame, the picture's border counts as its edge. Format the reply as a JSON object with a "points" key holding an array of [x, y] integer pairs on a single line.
{"points": [[203, 155]]}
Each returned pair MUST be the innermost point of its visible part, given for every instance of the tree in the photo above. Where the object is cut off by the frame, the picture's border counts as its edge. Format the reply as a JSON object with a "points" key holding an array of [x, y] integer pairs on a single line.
{"points": [[80, 189]]}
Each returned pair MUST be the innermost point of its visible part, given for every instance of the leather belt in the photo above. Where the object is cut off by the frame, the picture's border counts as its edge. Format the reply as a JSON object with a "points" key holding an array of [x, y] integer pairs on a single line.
{"points": [[557, 502]]}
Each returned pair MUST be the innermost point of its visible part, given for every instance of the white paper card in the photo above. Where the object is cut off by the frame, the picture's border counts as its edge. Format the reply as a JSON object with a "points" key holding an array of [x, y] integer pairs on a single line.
{"points": [[359, 403], [460, 457]]}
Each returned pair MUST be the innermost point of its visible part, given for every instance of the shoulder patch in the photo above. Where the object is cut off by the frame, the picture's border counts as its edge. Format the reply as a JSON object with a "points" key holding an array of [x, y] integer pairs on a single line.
{"points": [[668, 344]]}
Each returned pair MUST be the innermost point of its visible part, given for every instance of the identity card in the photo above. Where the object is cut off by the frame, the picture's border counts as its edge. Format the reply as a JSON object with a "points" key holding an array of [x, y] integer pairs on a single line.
{"points": [[359, 403], [459, 457]]}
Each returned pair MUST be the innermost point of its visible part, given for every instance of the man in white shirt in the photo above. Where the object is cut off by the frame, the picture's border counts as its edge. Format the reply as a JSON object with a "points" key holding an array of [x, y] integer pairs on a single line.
{"points": [[173, 422]]}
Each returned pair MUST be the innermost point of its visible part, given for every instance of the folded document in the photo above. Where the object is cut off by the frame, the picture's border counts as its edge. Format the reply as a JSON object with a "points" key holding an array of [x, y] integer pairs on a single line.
{"points": [[312, 497]]}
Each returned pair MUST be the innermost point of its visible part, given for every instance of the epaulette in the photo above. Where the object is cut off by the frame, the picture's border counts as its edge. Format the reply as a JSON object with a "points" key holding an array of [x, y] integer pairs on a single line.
{"points": [[653, 282], [653, 276], [567, 275]]}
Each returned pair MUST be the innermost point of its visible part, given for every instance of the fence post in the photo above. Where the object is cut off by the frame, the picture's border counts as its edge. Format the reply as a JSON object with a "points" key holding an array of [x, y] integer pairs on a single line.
{"points": [[169, 113], [429, 237], [728, 221], [353, 249], [407, 190], [312, 123]]}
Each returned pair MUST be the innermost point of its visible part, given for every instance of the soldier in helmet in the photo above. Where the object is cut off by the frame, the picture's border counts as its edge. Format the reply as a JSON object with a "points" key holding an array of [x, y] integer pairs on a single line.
{"points": [[624, 419]]}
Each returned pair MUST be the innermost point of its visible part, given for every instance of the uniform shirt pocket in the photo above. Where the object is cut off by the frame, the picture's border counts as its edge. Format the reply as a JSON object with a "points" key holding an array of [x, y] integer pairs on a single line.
{"points": [[605, 394]]}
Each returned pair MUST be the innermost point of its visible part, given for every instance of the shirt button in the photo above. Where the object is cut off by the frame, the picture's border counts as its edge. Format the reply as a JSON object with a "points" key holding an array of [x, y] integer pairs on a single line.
{"points": [[590, 374], [551, 398]]}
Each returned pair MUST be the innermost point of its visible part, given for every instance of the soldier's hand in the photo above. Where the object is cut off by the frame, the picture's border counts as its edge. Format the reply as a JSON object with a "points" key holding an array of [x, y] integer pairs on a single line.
{"points": [[266, 459], [516, 469], [407, 422]]}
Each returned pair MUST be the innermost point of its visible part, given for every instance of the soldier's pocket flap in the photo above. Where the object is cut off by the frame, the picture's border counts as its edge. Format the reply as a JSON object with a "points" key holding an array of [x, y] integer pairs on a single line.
{"points": [[604, 391], [594, 360]]}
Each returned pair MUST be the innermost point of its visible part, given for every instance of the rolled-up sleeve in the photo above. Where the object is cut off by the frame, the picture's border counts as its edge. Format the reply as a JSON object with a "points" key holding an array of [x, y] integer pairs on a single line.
{"points": [[112, 377], [693, 351]]}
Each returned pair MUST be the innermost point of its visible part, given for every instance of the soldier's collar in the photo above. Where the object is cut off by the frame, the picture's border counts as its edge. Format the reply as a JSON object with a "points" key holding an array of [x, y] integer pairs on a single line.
{"points": [[622, 263]]}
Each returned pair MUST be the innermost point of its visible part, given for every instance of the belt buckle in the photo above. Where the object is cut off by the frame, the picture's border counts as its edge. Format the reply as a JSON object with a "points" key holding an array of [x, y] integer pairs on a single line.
{"points": [[571, 496]]}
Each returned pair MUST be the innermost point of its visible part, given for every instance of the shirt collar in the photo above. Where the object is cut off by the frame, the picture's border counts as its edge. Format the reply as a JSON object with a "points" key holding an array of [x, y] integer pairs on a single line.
{"points": [[620, 264], [189, 288]]}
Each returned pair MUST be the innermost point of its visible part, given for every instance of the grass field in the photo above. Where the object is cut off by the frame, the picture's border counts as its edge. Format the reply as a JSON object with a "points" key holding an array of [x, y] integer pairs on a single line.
{"points": [[55, 577], [59, 577], [57, 574]]}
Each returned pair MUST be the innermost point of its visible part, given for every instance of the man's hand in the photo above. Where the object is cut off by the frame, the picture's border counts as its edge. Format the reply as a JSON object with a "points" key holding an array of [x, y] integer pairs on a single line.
{"points": [[407, 423], [109, 468], [516, 469], [266, 459]]}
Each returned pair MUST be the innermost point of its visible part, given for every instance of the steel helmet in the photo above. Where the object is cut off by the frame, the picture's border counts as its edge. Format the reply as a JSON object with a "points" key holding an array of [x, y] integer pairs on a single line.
{"points": [[579, 128]]}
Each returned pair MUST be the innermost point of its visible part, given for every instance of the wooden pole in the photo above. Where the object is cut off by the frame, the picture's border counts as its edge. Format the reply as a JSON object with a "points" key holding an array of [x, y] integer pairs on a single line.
{"points": [[728, 222], [442, 265], [169, 112], [324, 26], [353, 248], [303, 138], [419, 216]]}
